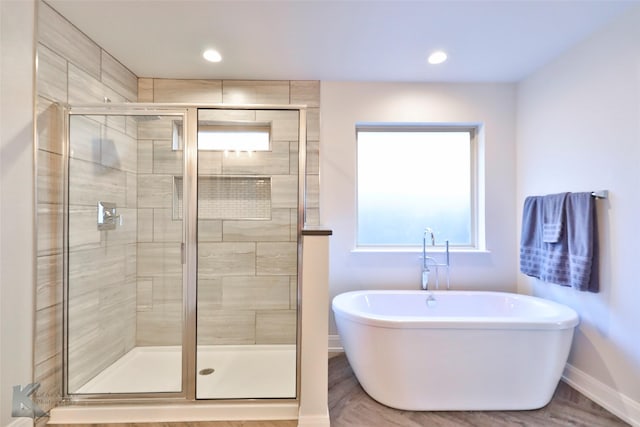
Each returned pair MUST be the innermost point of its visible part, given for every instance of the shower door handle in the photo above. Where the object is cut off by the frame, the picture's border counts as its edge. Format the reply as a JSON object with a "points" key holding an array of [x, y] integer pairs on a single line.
{"points": [[183, 255]]}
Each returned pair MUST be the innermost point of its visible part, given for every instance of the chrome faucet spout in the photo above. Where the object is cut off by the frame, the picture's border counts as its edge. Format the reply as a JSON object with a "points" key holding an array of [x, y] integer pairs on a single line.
{"points": [[429, 231]]}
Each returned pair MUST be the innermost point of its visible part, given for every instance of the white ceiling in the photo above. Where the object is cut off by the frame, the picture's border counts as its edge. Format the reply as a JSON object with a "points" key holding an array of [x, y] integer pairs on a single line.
{"points": [[339, 40]]}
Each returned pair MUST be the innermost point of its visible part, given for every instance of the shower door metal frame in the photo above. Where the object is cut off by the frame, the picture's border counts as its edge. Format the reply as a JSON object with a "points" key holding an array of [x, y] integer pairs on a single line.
{"points": [[189, 114]]}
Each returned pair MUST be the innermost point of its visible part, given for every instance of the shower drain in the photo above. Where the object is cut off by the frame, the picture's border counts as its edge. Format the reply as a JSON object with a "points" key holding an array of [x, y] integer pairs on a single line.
{"points": [[206, 371]]}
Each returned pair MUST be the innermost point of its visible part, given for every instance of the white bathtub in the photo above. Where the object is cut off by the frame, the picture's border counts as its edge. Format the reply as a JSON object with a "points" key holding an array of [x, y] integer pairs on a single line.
{"points": [[455, 350]]}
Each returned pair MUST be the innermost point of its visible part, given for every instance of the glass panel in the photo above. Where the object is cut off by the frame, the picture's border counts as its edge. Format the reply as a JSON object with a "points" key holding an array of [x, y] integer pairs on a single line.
{"points": [[125, 306], [410, 180], [222, 136], [247, 259], [238, 136]]}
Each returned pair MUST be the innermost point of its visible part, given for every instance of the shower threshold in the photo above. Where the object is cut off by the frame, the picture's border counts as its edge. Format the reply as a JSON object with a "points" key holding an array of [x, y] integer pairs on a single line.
{"points": [[223, 372]]}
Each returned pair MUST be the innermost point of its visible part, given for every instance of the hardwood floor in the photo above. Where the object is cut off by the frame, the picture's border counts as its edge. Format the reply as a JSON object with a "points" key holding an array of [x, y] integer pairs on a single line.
{"points": [[350, 406]]}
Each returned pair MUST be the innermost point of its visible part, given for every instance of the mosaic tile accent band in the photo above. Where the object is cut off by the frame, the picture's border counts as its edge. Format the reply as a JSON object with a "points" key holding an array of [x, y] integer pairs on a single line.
{"points": [[227, 197]]}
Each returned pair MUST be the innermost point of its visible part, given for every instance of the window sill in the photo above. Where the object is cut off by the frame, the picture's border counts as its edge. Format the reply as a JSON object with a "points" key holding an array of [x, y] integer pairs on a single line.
{"points": [[437, 250]]}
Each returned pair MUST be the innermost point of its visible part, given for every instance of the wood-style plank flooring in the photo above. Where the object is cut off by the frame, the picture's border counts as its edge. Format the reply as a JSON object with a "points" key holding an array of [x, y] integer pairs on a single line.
{"points": [[350, 406]]}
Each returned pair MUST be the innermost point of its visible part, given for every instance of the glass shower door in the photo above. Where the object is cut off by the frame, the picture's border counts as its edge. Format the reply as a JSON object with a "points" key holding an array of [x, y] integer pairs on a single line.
{"points": [[124, 305], [247, 253], [173, 292]]}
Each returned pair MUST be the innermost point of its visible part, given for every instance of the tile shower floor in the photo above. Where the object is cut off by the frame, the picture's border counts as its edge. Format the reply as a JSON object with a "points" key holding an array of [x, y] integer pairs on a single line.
{"points": [[223, 372]]}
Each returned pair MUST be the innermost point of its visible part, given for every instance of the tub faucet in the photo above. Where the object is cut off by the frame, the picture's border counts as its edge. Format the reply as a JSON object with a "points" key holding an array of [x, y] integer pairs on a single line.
{"points": [[425, 264], [430, 262]]}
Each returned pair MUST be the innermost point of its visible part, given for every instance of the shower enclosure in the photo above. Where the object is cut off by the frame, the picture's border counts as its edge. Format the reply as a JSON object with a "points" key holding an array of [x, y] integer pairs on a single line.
{"points": [[182, 247]]}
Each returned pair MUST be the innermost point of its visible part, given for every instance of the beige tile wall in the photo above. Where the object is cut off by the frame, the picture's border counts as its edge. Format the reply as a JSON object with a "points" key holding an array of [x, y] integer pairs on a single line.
{"points": [[159, 275], [102, 263], [72, 69], [247, 268]]}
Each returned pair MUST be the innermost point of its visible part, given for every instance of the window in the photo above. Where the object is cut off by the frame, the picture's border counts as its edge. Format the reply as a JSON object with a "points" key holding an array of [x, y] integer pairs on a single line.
{"points": [[247, 136], [413, 177], [227, 136]]}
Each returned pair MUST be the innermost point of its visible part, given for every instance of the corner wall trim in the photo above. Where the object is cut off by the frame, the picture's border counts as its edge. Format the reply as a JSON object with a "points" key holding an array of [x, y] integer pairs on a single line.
{"points": [[613, 401]]}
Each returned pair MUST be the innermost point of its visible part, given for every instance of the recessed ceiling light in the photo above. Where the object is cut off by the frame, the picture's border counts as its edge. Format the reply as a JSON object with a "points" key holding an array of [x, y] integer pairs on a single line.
{"points": [[437, 57], [212, 55]]}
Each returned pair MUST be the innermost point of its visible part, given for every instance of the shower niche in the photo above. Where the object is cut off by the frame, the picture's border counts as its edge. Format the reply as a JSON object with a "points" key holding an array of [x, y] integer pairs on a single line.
{"points": [[194, 294], [228, 197]]}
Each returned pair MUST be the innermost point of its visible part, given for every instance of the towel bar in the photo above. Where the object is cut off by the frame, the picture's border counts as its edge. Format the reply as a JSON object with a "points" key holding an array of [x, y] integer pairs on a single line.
{"points": [[602, 194]]}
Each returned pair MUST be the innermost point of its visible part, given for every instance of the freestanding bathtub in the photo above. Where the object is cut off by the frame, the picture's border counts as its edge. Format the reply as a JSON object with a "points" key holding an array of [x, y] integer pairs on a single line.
{"points": [[455, 350]]}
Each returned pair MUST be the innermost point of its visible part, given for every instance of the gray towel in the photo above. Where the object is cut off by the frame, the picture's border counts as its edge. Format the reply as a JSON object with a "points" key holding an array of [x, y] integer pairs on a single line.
{"points": [[552, 217], [573, 259], [530, 239]]}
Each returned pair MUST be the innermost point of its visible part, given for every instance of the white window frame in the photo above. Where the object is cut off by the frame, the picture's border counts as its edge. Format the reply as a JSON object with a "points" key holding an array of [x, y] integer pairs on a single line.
{"points": [[476, 131]]}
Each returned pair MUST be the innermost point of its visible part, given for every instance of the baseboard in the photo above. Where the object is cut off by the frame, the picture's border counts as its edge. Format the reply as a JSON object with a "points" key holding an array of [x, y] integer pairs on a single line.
{"points": [[335, 345], [612, 400], [175, 412], [314, 421], [21, 422]]}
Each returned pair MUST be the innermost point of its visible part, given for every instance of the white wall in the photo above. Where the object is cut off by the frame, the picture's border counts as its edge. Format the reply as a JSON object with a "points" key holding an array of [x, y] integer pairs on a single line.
{"points": [[579, 130], [344, 104], [16, 198]]}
